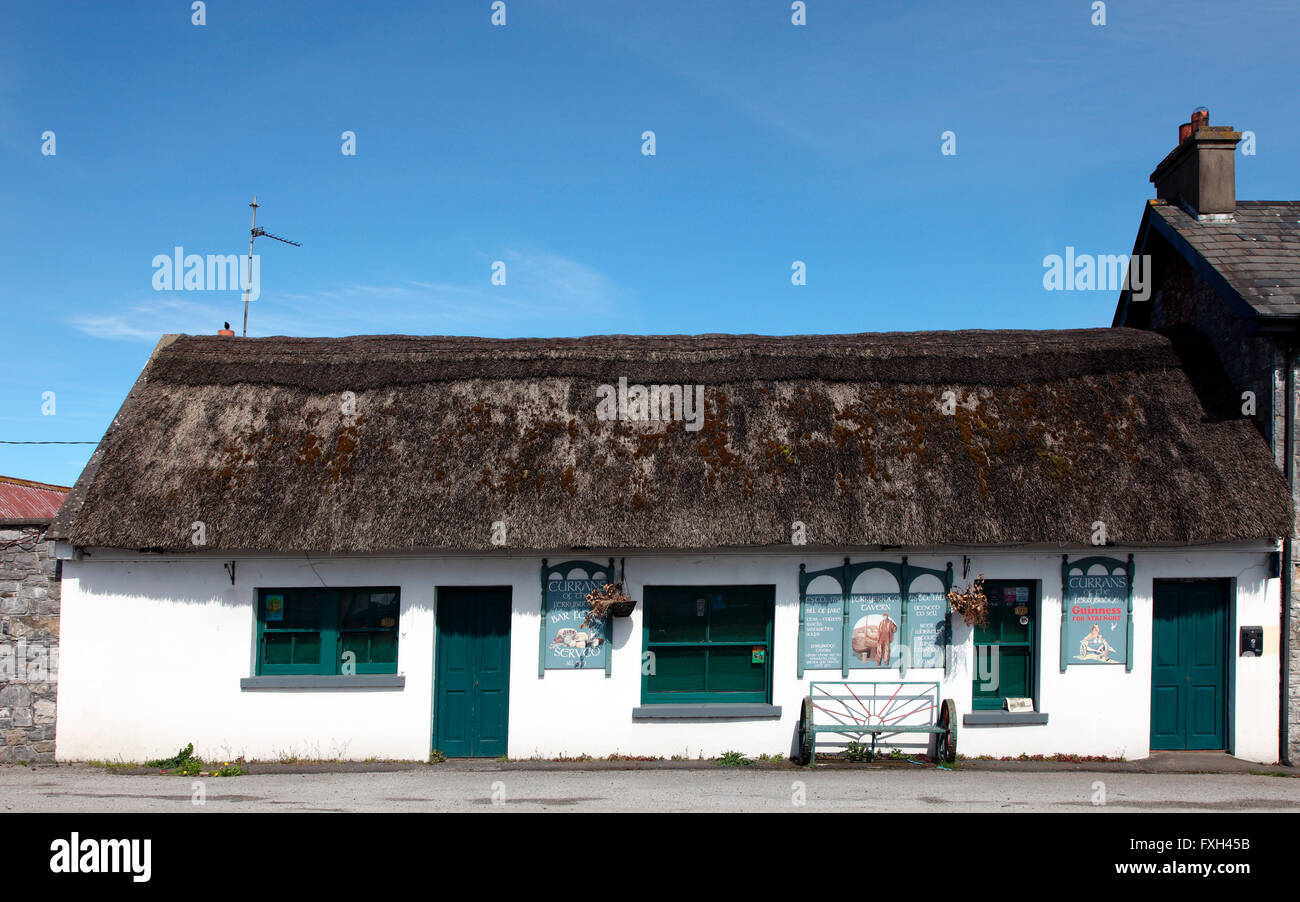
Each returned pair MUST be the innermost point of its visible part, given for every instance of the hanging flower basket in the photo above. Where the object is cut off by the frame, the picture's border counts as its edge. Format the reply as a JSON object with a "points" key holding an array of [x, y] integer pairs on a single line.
{"points": [[623, 608], [971, 603], [609, 600]]}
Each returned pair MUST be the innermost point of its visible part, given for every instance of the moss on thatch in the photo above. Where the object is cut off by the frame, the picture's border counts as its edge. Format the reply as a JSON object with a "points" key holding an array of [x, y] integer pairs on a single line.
{"points": [[847, 434]]}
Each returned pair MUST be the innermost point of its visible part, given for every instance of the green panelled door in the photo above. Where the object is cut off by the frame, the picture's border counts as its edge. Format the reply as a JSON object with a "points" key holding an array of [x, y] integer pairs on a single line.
{"points": [[1189, 665], [473, 678]]}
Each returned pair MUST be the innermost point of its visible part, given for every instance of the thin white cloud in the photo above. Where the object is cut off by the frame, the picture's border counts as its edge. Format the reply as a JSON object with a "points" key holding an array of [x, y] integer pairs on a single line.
{"points": [[542, 291], [145, 321]]}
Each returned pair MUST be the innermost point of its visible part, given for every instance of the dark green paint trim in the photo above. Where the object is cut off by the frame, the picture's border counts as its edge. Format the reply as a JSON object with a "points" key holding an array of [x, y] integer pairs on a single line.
{"points": [[1033, 642], [1197, 614], [541, 629], [329, 632], [803, 585], [699, 699], [472, 620]]}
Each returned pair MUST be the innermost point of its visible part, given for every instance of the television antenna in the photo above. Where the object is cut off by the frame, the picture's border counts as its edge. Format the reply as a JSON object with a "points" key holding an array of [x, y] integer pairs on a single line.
{"points": [[253, 234]]}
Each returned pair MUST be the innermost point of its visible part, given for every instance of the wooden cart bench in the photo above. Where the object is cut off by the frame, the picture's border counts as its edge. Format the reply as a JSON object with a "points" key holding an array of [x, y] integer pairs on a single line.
{"points": [[859, 709]]}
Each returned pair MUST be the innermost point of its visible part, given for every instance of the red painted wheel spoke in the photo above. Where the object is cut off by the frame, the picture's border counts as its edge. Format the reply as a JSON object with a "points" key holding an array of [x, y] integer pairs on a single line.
{"points": [[856, 719]]}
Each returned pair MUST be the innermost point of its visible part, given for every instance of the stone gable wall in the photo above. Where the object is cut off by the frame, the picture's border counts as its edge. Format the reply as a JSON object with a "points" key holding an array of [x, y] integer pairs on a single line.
{"points": [[29, 644]]}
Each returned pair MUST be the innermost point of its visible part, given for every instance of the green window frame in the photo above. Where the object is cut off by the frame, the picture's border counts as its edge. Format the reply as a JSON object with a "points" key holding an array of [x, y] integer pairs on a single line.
{"points": [[309, 630], [1016, 644], [706, 644]]}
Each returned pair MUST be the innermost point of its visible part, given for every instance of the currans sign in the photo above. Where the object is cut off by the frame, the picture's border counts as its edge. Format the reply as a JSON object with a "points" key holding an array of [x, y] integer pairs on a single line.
{"points": [[1097, 619], [570, 640]]}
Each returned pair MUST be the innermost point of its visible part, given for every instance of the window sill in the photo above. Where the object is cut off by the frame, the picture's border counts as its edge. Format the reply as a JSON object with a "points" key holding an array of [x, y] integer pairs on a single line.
{"points": [[1003, 719], [705, 711], [359, 681]]}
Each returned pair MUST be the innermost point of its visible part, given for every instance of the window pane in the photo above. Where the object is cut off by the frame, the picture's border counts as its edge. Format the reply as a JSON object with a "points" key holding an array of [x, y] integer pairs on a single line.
{"points": [[278, 648], [361, 608], [1013, 674], [1012, 630], [991, 631], [354, 609], [358, 644], [383, 647], [383, 610], [676, 670], [301, 611], [734, 616], [306, 648], [730, 670], [988, 673], [1003, 621], [677, 616]]}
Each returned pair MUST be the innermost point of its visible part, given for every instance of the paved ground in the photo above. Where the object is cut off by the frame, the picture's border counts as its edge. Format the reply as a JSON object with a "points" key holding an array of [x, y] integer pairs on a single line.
{"points": [[474, 786]]}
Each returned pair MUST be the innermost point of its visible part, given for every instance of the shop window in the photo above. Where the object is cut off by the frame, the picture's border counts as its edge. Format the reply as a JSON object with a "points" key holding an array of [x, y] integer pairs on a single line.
{"points": [[1006, 656], [327, 631], [707, 644]]}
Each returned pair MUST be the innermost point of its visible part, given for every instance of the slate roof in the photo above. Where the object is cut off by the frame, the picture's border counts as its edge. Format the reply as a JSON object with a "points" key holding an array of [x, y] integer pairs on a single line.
{"points": [[440, 437], [1257, 255]]}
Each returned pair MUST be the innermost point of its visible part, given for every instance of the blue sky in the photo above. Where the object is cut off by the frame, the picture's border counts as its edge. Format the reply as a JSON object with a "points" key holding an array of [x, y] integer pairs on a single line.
{"points": [[522, 143]]}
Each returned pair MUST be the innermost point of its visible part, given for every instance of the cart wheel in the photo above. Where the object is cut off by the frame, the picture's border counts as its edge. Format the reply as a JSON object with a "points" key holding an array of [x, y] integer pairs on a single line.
{"points": [[947, 746], [805, 733]]}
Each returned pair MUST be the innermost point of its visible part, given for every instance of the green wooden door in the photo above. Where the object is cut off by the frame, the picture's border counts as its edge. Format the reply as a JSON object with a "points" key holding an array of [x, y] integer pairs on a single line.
{"points": [[473, 673], [1189, 665]]}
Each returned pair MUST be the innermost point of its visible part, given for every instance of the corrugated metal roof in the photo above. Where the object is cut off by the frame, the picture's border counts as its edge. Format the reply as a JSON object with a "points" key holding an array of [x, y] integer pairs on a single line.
{"points": [[22, 499]]}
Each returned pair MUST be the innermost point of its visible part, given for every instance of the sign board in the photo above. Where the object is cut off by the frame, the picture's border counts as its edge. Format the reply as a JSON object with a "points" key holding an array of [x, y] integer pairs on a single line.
{"points": [[568, 640], [927, 621], [874, 625], [842, 631], [823, 645], [1096, 618], [1020, 705]]}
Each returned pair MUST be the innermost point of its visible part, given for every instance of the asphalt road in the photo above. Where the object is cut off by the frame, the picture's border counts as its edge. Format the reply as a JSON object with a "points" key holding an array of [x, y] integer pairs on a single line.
{"points": [[718, 789]]}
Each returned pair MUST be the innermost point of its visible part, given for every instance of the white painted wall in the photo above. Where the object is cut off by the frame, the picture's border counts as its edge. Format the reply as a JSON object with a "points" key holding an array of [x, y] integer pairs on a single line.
{"points": [[153, 649]]}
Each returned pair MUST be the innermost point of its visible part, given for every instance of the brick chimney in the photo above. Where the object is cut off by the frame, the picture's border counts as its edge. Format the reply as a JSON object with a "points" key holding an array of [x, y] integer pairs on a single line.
{"points": [[1200, 172]]}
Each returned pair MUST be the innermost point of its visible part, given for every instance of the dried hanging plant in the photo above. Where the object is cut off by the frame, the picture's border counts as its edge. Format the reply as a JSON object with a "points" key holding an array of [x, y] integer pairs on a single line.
{"points": [[971, 603], [602, 599]]}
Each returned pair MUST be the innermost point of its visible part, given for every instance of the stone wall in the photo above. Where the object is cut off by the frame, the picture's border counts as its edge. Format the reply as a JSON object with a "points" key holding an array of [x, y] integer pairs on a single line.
{"points": [[1250, 361], [29, 644]]}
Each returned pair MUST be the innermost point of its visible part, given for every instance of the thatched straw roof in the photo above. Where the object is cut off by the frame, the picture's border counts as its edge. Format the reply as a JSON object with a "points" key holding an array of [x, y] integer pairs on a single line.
{"points": [[844, 433]]}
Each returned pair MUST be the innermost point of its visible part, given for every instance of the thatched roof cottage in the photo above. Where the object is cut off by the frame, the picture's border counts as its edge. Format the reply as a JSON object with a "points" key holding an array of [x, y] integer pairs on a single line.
{"points": [[382, 545]]}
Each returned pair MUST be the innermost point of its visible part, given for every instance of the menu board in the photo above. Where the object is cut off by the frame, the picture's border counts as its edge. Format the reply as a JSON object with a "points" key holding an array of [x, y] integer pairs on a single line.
{"points": [[823, 628], [569, 643], [1096, 619], [927, 620], [874, 624]]}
